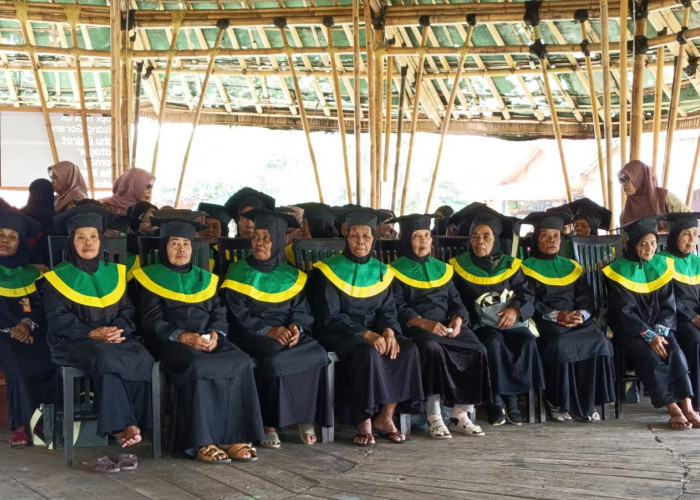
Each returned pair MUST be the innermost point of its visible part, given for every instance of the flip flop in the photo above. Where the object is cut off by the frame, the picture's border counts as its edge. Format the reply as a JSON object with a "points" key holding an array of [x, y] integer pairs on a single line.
{"points": [[271, 440], [394, 437], [238, 451], [208, 454], [20, 438], [369, 438], [101, 465], [128, 461]]}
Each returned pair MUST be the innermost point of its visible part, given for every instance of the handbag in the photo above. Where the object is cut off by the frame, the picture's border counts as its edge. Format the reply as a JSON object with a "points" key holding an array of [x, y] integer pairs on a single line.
{"points": [[488, 306]]}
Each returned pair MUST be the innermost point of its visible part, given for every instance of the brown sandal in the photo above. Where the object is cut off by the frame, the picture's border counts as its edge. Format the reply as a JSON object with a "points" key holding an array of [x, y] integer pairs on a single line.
{"points": [[238, 452], [212, 455]]}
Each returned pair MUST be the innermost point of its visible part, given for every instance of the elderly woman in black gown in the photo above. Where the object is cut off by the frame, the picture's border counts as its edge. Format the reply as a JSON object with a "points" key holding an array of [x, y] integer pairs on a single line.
{"points": [[272, 321], [91, 326], [184, 324], [357, 319], [24, 353], [455, 368]]}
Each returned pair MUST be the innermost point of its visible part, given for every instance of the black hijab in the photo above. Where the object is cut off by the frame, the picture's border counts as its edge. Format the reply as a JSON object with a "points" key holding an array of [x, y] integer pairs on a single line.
{"points": [[360, 217], [493, 221], [678, 222], [40, 204], [276, 223], [176, 227]]}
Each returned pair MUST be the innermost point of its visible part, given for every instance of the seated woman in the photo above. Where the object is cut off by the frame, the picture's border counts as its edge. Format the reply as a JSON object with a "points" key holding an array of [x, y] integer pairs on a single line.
{"points": [[90, 326], [242, 201], [454, 364], [184, 325], [680, 246], [578, 359], [642, 316], [514, 362], [589, 217], [131, 187], [271, 320], [216, 223], [68, 183], [24, 353], [319, 221], [357, 319]]}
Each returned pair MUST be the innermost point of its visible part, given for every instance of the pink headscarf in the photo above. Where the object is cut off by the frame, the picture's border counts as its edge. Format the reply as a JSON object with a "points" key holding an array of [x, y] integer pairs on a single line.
{"points": [[127, 190], [71, 185], [649, 198]]}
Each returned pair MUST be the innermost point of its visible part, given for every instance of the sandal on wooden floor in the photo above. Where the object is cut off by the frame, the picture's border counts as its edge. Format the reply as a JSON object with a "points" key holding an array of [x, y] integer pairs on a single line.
{"points": [[679, 423], [307, 432], [465, 426], [20, 438], [212, 455], [239, 451], [693, 420], [128, 461], [394, 437], [438, 429], [271, 440], [101, 465], [364, 440]]}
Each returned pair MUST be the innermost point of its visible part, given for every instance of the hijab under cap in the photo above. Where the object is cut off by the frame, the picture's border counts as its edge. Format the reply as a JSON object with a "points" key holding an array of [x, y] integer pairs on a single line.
{"points": [[85, 215], [408, 224], [276, 222], [25, 227]]}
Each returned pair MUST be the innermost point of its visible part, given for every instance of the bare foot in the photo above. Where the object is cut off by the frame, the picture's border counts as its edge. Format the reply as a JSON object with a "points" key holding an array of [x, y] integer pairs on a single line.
{"points": [[129, 436], [364, 435]]}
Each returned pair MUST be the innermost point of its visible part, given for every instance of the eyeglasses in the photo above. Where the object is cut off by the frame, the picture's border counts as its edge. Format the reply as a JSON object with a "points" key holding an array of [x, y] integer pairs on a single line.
{"points": [[623, 179]]}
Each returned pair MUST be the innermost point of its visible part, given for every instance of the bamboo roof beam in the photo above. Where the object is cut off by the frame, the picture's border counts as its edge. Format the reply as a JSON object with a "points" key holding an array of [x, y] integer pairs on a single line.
{"points": [[637, 114], [71, 74], [659, 79], [607, 104], [8, 80], [152, 85], [460, 95], [95, 75], [244, 66], [577, 71], [275, 65], [308, 66], [623, 24], [357, 125]]}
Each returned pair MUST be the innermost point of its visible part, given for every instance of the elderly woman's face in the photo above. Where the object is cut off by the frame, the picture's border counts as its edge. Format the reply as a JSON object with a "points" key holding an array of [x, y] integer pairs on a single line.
{"points": [[179, 251], [245, 226], [482, 240], [548, 241], [687, 240], [582, 228], [646, 246], [9, 242], [262, 244], [146, 193], [87, 242], [213, 229], [421, 240], [360, 240], [626, 183], [145, 224]]}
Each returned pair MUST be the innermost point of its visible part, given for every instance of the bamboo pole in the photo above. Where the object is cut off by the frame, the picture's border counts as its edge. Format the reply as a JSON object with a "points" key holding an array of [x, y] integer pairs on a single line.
{"points": [[198, 111], [22, 18], [637, 97], [607, 101], [624, 13], [302, 109], [177, 17], [387, 113], [595, 115], [137, 106], [115, 26], [71, 17], [414, 115], [691, 184], [399, 130], [125, 83], [358, 104], [448, 115], [658, 99], [371, 125], [378, 96], [339, 106], [675, 97]]}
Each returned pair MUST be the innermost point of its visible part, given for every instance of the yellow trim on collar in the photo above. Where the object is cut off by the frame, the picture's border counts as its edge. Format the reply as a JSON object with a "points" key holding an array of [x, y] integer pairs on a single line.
{"points": [[485, 280], [688, 280], [261, 296], [22, 291], [563, 281], [360, 292], [633, 286], [86, 300], [161, 291], [135, 265], [449, 271]]}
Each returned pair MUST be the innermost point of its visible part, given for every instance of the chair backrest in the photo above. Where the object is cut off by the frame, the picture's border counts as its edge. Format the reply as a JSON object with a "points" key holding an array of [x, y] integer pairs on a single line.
{"points": [[661, 242], [148, 251], [115, 247], [447, 247], [594, 253], [310, 250], [232, 250], [387, 251]]}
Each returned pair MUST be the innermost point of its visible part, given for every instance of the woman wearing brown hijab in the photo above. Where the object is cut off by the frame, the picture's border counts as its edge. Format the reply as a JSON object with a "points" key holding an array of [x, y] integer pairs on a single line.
{"points": [[131, 187], [68, 183], [644, 196]]}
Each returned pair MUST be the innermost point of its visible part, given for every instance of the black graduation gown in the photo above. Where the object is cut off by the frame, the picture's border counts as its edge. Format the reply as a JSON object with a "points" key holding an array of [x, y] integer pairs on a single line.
{"points": [[291, 382], [215, 400], [514, 362], [578, 362], [122, 372], [366, 380], [29, 372], [456, 368], [629, 314]]}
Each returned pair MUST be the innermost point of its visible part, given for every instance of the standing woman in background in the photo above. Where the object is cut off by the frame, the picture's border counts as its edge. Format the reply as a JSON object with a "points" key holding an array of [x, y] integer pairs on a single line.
{"points": [[68, 183]]}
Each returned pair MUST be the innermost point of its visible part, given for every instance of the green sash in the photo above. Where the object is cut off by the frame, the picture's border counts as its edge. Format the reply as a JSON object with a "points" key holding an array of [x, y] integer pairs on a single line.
{"points": [[18, 282], [103, 288], [280, 285], [465, 267], [430, 274], [559, 271], [653, 274], [356, 280], [183, 287]]}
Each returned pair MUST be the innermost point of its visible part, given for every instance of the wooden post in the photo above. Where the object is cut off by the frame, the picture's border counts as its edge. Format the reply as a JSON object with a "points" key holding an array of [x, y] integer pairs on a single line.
{"points": [[595, 114], [658, 99], [416, 108], [675, 97], [358, 105], [378, 85], [691, 184], [638, 94], [195, 121], [300, 100], [72, 17], [339, 104], [115, 18], [448, 113], [387, 113], [369, 61], [21, 8], [137, 106], [624, 14], [399, 130], [177, 17], [607, 101]]}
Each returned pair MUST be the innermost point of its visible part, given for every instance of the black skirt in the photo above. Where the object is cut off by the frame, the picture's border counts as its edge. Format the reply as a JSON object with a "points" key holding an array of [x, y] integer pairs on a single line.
{"points": [[688, 336]]}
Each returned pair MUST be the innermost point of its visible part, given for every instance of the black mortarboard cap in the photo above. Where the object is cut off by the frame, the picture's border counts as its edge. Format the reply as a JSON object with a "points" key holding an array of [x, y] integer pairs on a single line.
{"points": [[361, 217], [271, 220], [317, 211], [597, 216], [85, 215], [216, 212], [479, 213], [413, 222], [119, 223], [553, 219], [17, 221], [566, 208], [247, 197], [644, 225], [678, 221], [177, 223], [342, 213]]}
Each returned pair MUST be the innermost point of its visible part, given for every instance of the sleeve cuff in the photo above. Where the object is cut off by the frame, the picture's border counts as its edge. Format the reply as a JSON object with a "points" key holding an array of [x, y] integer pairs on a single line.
{"points": [[551, 316], [648, 335], [174, 336]]}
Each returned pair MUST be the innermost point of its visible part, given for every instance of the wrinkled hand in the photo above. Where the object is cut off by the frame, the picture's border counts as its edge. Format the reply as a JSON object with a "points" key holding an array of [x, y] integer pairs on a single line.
{"points": [[569, 318], [508, 317], [281, 334], [376, 340], [456, 325], [696, 321], [294, 329], [22, 333], [392, 346], [429, 326], [658, 345], [197, 342], [108, 334]]}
